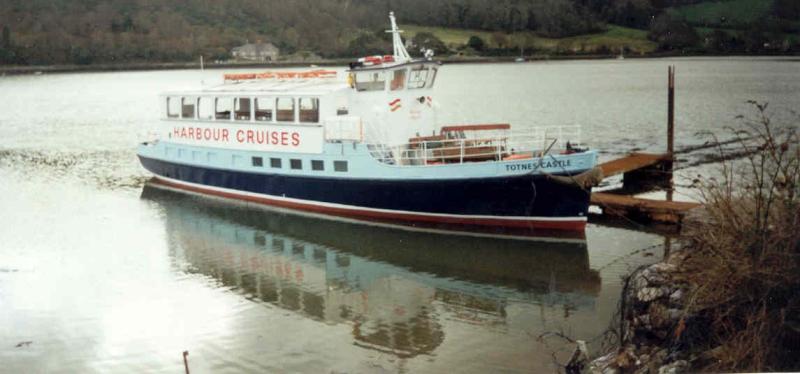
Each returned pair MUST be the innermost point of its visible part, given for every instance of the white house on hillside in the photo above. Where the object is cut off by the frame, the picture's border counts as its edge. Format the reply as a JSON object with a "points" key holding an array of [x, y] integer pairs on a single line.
{"points": [[256, 52]]}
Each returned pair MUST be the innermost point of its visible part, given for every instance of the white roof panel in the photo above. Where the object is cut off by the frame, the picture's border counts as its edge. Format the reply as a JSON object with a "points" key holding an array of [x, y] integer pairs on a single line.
{"points": [[292, 86]]}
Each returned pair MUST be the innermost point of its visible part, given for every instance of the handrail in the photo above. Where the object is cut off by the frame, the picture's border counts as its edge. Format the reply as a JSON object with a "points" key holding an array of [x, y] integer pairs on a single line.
{"points": [[438, 149], [319, 73], [491, 126]]}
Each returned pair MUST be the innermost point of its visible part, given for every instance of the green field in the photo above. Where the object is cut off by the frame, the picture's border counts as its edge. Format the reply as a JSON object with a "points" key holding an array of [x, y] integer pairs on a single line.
{"points": [[723, 14], [615, 38]]}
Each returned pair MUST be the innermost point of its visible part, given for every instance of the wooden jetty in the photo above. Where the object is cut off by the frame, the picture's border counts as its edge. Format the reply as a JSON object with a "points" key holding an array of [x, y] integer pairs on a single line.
{"points": [[633, 161], [642, 209], [642, 172]]}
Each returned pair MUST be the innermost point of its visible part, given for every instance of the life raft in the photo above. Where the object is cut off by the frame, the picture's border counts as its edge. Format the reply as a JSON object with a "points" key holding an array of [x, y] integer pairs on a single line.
{"points": [[376, 60]]}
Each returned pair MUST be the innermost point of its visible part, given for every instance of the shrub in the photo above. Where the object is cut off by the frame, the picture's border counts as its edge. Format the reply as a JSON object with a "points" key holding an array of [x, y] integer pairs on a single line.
{"points": [[672, 34], [476, 43], [744, 257]]}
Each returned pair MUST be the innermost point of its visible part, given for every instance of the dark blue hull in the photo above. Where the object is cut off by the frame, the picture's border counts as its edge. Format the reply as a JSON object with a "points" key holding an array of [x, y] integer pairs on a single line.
{"points": [[519, 196]]}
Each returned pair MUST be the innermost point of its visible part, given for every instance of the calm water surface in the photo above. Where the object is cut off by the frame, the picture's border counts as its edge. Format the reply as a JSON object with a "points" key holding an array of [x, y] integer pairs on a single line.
{"points": [[101, 272]]}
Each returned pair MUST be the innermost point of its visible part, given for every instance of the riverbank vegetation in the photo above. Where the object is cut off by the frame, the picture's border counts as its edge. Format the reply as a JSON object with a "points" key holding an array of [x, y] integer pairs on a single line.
{"points": [[46, 32], [743, 261], [728, 298]]}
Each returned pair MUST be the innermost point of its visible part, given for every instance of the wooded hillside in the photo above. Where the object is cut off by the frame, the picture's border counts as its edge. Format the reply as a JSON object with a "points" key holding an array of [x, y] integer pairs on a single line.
{"points": [[94, 31]]}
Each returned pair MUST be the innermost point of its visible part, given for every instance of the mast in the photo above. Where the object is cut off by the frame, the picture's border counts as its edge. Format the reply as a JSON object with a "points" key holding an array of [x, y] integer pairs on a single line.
{"points": [[400, 53]]}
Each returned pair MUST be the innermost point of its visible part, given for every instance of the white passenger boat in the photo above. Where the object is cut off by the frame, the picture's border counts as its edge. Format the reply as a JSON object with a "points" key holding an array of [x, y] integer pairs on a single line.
{"points": [[350, 145]]}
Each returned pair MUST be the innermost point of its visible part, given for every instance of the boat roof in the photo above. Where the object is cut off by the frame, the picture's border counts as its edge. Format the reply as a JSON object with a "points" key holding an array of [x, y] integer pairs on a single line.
{"points": [[311, 86], [354, 68]]}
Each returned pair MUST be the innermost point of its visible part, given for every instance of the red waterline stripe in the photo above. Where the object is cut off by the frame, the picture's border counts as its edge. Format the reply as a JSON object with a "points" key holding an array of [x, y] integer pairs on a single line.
{"points": [[369, 214]]}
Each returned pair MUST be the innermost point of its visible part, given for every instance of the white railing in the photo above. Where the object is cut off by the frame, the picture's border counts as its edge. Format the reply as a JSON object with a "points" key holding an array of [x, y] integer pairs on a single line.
{"points": [[476, 146]]}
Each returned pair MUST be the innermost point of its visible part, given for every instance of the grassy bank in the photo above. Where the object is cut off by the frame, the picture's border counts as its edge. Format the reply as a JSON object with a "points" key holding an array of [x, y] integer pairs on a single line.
{"points": [[614, 38]]}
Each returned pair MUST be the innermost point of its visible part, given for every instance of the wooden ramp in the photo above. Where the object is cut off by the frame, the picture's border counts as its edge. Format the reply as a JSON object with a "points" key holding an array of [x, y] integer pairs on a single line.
{"points": [[631, 162], [641, 172], [653, 210]]}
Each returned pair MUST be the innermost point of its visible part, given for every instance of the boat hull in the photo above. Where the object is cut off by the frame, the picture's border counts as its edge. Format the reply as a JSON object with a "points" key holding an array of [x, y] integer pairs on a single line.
{"points": [[525, 201]]}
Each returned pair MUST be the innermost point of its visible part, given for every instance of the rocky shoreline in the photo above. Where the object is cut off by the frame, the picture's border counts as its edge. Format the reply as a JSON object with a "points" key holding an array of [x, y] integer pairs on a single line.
{"points": [[653, 335]]}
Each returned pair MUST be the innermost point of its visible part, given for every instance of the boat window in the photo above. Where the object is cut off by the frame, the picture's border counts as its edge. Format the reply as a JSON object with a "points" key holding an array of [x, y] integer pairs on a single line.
{"points": [[187, 107], [205, 108], [242, 109], [432, 76], [398, 80], [296, 164], [309, 109], [340, 165], [285, 112], [317, 165], [418, 76], [224, 108], [264, 109], [370, 81], [173, 107], [275, 163], [258, 161]]}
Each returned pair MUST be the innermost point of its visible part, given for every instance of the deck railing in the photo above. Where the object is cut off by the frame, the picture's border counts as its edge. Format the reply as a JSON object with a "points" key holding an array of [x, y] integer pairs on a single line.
{"points": [[465, 148]]}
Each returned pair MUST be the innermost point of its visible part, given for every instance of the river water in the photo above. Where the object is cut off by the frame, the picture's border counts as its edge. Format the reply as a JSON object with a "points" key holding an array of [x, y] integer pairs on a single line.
{"points": [[102, 272]]}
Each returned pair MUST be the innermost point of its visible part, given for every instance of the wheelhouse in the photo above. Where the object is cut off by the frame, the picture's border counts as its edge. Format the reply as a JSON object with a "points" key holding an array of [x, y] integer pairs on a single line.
{"points": [[410, 76]]}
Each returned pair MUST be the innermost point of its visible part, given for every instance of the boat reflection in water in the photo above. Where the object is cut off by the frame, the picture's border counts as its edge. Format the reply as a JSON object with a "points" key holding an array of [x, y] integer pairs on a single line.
{"points": [[390, 285]]}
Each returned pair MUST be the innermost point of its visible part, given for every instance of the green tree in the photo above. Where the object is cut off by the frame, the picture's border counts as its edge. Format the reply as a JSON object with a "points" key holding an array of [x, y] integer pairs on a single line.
{"points": [[632, 13], [787, 9], [6, 38], [367, 45], [672, 34], [476, 43], [427, 40]]}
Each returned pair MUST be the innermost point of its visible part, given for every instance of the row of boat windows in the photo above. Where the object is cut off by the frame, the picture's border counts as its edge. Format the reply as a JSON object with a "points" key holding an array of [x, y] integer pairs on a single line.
{"points": [[274, 162], [297, 164], [248, 109], [414, 78]]}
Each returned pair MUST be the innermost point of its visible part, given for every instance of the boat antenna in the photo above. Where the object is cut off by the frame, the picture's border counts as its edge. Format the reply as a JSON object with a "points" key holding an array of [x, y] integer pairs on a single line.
{"points": [[400, 53], [202, 70]]}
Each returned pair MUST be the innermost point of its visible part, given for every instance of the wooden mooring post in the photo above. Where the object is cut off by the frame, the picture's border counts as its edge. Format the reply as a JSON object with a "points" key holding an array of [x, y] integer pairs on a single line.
{"points": [[670, 127], [643, 172]]}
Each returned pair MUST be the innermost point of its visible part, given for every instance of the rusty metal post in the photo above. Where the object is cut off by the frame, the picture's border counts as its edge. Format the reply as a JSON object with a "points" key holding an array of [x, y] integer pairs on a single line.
{"points": [[186, 361], [670, 126], [671, 110]]}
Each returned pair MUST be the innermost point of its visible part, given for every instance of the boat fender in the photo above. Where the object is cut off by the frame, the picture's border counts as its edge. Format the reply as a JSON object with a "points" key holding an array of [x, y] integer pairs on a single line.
{"points": [[589, 178]]}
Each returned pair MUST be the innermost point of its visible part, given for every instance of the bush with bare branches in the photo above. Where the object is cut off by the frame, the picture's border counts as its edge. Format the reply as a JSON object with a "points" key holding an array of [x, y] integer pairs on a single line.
{"points": [[744, 257]]}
